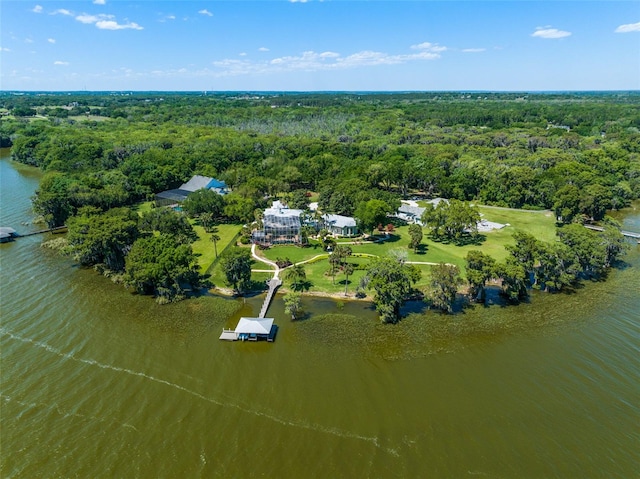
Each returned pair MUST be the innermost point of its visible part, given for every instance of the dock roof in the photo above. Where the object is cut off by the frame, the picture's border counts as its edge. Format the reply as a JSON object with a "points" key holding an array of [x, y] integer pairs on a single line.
{"points": [[254, 326]]}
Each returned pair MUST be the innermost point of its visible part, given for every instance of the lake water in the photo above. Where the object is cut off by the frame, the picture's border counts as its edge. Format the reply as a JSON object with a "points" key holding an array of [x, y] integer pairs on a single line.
{"points": [[97, 382]]}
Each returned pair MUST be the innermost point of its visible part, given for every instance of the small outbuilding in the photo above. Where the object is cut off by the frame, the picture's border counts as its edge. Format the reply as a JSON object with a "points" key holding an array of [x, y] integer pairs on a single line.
{"points": [[7, 234], [251, 329]]}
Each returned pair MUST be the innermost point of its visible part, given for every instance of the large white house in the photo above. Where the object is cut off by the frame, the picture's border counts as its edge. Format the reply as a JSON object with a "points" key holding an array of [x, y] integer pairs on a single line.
{"points": [[340, 225]]}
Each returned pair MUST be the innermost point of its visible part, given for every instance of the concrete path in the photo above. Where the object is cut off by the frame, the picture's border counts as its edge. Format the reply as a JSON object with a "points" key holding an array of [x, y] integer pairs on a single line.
{"points": [[276, 273]]}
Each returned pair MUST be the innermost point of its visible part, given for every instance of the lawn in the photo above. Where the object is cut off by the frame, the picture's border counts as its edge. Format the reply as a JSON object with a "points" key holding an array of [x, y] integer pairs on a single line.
{"points": [[258, 280], [204, 248], [539, 223]]}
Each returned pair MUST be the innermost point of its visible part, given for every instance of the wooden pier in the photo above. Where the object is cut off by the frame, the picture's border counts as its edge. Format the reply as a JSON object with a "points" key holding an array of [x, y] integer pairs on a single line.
{"points": [[626, 234], [274, 283], [9, 234]]}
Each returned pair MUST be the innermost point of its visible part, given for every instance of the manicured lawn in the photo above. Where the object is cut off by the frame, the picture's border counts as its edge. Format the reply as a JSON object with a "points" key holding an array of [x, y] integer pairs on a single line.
{"points": [[205, 248], [540, 224], [294, 253], [258, 279]]}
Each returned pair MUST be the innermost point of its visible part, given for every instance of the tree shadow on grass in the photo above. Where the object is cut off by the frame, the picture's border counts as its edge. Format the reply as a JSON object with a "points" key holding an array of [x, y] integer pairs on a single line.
{"points": [[422, 249], [464, 240], [302, 286]]}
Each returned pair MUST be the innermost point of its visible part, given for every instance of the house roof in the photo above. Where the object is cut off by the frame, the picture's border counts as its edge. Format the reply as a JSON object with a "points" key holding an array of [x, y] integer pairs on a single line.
{"points": [[254, 326], [411, 210], [339, 221], [196, 183], [282, 212], [218, 184], [173, 195]]}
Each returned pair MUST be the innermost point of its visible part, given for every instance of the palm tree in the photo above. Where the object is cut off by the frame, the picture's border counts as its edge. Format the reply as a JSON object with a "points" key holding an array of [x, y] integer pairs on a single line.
{"points": [[296, 275], [215, 238], [206, 220], [348, 271]]}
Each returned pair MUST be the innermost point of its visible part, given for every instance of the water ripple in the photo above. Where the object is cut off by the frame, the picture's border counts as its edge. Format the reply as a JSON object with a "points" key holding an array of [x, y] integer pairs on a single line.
{"points": [[308, 426]]}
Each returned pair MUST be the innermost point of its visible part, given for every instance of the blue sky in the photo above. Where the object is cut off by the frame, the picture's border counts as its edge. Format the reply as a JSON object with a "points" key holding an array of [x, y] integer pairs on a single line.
{"points": [[319, 45]]}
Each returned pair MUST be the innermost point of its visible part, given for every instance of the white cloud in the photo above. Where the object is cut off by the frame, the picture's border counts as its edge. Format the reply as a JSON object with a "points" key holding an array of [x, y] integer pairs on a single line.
{"points": [[314, 61], [5, 49], [58, 62], [62, 11], [28, 40], [473, 50], [428, 46], [298, 1], [51, 40], [263, 49], [88, 19], [100, 2], [37, 9], [107, 22], [550, 33], [113, 25], [629, 27], [242, 54], [206, 12]]}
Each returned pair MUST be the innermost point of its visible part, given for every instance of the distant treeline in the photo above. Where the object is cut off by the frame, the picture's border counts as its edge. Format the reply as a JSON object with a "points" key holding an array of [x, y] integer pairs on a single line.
{"points": [[578, 153]]}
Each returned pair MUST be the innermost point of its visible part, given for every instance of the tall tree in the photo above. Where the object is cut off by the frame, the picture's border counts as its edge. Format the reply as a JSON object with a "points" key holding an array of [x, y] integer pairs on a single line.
{"points": [[348, 270], [415, 233], [53, 199], [215, 237], [292, 304], [445, 279], [391, 281], [480, 269], [236, 264], [557, 266], [296, 275], [514, 279], [372, 213]]}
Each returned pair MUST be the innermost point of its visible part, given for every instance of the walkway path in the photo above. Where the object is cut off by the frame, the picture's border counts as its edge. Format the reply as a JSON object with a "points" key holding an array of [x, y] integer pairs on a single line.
{"points": [[276, 273], [273, 283]]}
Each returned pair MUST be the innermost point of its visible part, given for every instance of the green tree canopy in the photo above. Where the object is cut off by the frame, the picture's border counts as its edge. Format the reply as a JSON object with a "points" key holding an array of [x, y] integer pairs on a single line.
{"points": [[96, 238], [391, 282], [169, 222], [236, 264], [204, 201], [443, 286], [372, 213], [162, 266]]}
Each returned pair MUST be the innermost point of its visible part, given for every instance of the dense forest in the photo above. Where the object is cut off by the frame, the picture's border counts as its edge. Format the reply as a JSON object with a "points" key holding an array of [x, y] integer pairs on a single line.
{"points": [[575, 153]]}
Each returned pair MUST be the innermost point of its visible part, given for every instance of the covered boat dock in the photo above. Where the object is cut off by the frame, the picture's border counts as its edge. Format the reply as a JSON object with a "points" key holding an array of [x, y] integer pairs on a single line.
{"points": [[251, 329]]}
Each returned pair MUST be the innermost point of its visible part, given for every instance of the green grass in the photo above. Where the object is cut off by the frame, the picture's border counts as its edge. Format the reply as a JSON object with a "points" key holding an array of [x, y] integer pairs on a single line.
{"points": [[205, 248], [258, 280], [295, 253], [143, 207], [540, 224]]}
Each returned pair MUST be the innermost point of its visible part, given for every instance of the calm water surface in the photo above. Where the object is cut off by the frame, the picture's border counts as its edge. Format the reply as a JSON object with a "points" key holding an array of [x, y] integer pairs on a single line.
{"points": [[97, 382]]}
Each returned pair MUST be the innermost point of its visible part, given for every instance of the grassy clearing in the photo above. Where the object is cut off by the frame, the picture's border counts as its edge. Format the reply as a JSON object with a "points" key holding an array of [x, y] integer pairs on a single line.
{"points": [[539, 223], [205, 248], [258, 280]]}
